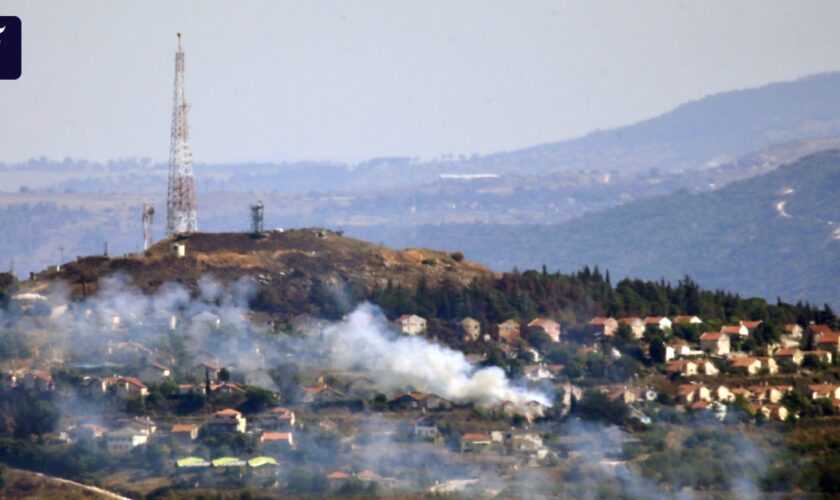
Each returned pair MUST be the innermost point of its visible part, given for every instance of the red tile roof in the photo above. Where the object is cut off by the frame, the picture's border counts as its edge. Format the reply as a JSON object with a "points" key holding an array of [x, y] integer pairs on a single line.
{"points": [[476, 437], [276, 436]]}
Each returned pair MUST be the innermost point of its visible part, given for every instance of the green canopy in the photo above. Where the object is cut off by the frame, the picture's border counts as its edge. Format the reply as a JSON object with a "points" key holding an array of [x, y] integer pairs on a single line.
{"points": [[228, 462], [192, 462], [260, 461]]}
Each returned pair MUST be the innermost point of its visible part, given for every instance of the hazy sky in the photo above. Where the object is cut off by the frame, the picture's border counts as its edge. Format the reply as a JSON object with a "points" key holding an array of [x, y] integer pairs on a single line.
{"points": [[351, 80]]}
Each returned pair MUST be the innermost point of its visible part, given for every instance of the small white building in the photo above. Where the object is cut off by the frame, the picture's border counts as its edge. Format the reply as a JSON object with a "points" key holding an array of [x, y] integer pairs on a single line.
{"points": [[123, 440], [411, 324]]}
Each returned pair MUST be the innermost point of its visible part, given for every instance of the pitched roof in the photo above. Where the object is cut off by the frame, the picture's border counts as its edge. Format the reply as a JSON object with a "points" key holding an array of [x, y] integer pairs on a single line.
{"points": [[744, 362], [227, 411], [338, 475], [654, 320], [684, 318], [822, 329], [824, 388], [787, 351], [829, 338], [730, 329], [751, 324], [543, 323], [790, 327], [183, 428], [598, 320], [712, 336], [366, 474], [473, 436], [276, 436], [629, 320], [133, 381]]}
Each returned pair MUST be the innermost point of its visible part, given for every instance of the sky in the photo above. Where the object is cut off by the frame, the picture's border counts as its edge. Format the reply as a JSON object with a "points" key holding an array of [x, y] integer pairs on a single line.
{"points": [[347, 81]]}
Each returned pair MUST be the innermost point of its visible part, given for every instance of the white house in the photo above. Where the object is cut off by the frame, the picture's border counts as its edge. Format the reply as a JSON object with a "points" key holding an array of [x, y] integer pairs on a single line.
{"points": [[123, 440], [660, 322], [411, 324]]}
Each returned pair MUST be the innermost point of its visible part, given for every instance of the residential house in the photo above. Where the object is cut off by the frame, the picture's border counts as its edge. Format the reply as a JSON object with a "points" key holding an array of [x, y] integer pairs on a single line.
{"points": [[367, 476], [830, 340], [285, 439], [184, 433], [747, 365], [144, 425], [771, 411], [823, 356], [735, 330], [751, 326], [277, 418], [123, 440], [226, 421], [471, 328], [475, 442], [722, 393], [207, 370], [537, 372], [793, 330], [321, 393], [426, 427], [637, 326], [825, 390], [771, 393], [130, 387], [769, 364], [338, 478], [523, 441], [509, 330], [740, 391], [706, 367], [677, 349], [622, 394], [548, 326], [690, 393], [155, 373], [790, 355], [818, 329], [420, 400], [659, 322], [411, 324], [603, 326], [226, 388], [87, 431], [687, 320], [716, 343], [684, 367]]}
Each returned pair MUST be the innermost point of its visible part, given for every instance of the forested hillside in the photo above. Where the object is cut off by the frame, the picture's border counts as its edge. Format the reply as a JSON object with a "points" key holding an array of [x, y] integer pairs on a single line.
{"points": [[772, 235]]}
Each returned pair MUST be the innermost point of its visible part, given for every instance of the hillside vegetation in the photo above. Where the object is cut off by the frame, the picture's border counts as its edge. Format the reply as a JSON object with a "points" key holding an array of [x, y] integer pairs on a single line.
{"points": [[774, 235]]}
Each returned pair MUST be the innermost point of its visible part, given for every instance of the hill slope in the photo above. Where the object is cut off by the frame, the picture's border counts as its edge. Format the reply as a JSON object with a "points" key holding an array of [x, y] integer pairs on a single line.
{"points": [[776, 234], [286, 265]]}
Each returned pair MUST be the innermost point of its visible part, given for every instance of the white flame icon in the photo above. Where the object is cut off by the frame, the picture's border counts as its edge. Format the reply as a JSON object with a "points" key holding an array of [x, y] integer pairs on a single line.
{"points": [[2, 29]]}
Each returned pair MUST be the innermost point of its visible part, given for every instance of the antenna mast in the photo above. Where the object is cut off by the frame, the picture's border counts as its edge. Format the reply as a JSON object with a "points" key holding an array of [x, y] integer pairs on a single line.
{"points": [[148, 225], [180, 200]]}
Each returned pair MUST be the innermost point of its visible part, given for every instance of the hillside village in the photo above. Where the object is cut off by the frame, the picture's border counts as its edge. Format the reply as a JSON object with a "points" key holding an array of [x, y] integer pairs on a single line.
{"points": [[133, 395]]}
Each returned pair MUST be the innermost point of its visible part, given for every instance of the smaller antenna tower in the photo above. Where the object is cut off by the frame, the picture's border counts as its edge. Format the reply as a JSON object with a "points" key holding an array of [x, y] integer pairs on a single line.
{"points": [[148, 225], [257, 218]]}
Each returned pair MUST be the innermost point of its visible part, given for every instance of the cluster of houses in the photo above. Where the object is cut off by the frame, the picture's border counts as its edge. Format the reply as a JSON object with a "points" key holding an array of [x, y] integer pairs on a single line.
{"points": [[274, 428], [508, 331]]}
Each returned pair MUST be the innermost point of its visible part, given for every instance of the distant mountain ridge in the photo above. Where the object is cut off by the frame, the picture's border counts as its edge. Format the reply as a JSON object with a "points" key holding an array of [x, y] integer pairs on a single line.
{"points": [[773, 235], [719, 126]]}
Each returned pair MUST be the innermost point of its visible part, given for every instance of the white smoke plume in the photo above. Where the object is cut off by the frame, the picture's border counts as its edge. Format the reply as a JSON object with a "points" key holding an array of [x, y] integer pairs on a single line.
{"points": [[364, 340]]}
